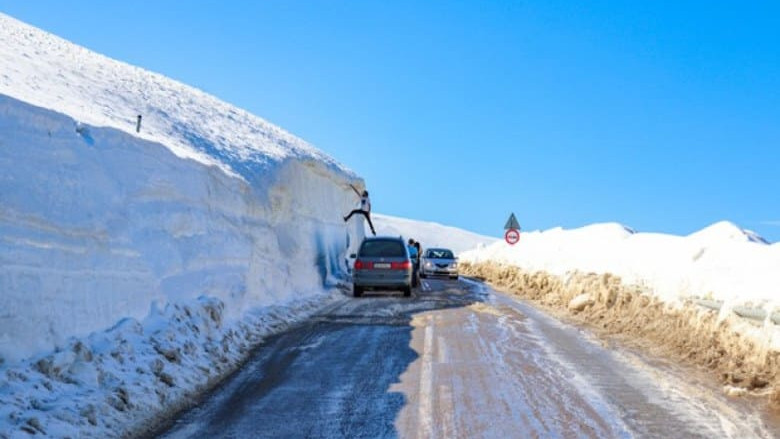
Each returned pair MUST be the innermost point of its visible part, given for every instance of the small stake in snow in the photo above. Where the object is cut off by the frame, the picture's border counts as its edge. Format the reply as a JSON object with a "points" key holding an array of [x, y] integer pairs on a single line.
{"points": [[138, 125]]}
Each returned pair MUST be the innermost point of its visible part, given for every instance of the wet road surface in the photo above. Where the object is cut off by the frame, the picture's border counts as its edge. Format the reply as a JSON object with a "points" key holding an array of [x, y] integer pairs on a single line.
{"points": [[457, 360]]}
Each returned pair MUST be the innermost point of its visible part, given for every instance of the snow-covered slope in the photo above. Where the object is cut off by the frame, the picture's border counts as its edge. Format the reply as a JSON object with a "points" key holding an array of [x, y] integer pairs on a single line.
{"points": [[725, 231], [99, 221], [430, 234], [721, 262], [46, 71], [137, 267]]}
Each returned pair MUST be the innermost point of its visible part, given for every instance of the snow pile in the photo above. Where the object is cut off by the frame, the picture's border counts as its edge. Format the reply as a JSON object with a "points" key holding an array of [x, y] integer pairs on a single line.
{"points": [[720, 262], [120, 382], [650, 286], [430, 234], [135, 268]]}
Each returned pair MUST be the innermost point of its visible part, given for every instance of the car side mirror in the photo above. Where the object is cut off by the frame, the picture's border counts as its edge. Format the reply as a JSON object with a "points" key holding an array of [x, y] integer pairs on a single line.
{"points": [[353, 256]]}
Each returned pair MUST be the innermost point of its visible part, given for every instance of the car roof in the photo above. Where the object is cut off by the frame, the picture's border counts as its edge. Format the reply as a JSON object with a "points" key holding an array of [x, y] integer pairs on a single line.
{"points": [[383, 238]]}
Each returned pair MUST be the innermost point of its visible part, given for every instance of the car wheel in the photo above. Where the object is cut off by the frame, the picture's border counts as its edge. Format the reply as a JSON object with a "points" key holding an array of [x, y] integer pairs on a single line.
{"points": [[454, 277], [407, 291], [357, 291], [422, 275]]}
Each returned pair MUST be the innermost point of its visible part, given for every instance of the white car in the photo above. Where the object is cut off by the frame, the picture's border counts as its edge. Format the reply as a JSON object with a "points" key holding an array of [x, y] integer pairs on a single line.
{"points": [[439, 262]]}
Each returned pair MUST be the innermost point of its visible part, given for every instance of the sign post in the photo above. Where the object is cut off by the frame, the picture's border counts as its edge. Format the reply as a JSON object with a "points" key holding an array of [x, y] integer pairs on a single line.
{"points": [[512, 227]]}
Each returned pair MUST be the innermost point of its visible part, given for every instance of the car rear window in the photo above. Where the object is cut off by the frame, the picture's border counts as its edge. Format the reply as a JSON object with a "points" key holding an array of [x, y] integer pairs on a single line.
{"points": [[440, 254], [382, 248]]}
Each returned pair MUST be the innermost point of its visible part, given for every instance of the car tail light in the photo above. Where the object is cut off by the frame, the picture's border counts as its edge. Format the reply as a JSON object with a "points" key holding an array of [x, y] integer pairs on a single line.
{"points": [[362, 265], [405, 265]]}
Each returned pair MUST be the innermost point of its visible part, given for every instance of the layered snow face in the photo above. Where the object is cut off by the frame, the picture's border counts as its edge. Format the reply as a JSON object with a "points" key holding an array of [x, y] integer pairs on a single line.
{"points": [[137, 268], [721, 262], [98, 225]]}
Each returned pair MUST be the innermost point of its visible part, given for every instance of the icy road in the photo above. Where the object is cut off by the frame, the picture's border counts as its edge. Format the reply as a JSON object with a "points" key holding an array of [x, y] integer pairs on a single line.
{"points": [[458, 360]]}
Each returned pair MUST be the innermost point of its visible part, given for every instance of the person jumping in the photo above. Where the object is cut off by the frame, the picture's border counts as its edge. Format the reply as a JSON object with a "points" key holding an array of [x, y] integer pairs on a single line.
{"points": [[365, 208]]}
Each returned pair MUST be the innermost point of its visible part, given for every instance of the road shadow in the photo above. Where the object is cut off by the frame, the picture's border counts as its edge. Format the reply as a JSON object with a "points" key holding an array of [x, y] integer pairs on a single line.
{"points": [[329, 377]]}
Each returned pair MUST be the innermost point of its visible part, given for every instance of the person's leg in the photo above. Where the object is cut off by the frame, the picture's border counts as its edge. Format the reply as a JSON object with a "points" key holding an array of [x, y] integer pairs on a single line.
{"points": [[370, 224], [346, 218]]}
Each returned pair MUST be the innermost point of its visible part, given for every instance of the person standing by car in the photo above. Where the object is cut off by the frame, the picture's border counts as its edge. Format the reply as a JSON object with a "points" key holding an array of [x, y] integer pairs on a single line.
{"points": [[414, 255], [413, 252], [365, 208]]}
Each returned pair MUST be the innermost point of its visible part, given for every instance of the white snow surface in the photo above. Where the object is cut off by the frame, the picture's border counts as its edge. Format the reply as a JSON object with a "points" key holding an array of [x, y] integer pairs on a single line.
{"points": [[720, 262], [47, 71], [136, 268], [98, 221], [430, 234]]}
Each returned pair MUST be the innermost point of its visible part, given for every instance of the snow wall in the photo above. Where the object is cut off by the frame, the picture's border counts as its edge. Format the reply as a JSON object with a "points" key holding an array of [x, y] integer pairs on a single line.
{"points": [[97, 225]]}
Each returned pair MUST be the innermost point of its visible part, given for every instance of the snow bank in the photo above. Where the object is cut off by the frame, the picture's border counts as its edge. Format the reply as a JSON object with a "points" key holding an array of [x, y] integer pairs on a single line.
{"points": [[98, 222], [98, 225], [431, 234], [137, 268], [649, 285], [721, 262], [740, 352]]}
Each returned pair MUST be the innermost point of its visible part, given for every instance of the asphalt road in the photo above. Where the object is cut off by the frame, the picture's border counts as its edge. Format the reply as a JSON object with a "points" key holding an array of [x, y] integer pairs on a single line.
{"points": [[458, 360]]}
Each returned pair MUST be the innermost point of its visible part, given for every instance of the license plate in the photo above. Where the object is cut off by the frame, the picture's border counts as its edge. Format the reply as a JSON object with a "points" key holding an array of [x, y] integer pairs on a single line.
{"points": [[381, 265]]}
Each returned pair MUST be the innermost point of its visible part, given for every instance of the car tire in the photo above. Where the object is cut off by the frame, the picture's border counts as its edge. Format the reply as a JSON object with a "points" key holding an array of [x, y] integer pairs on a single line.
{"points": [[407, 291], [357, 291], [454, 277], [423, 275]]}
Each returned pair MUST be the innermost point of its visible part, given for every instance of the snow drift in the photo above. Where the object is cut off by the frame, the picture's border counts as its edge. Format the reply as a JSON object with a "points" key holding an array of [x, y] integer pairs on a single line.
{"points": [[138, 267], [650, 286], [98, 223], [431, 234], [721, 262]]}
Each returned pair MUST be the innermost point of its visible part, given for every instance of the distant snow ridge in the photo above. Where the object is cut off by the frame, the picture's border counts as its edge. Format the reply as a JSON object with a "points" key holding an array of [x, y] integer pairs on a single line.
{"points": [[431, 234], [725, 231], [603, 230]]}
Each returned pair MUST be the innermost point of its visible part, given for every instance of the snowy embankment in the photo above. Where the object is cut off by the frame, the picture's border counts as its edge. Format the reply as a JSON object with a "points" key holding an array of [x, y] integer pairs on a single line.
{"points": [[652, 286], [430, 234], [138, 267]]}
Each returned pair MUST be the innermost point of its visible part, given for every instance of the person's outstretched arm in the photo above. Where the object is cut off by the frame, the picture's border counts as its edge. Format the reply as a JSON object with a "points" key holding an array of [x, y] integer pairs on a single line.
{"points": [[356, 191]]}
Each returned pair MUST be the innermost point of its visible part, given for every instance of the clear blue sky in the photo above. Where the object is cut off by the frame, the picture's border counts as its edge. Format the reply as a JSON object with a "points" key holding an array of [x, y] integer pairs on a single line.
{"points": [[664, 116]]}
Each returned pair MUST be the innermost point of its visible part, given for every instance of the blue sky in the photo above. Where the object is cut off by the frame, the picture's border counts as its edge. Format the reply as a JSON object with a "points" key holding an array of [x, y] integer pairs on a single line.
{"points": [[661, 116]]}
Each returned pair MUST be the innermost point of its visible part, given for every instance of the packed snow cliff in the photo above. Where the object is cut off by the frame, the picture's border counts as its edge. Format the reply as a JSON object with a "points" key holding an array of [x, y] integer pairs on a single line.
{"points": [[98, 221], [138, 264]]}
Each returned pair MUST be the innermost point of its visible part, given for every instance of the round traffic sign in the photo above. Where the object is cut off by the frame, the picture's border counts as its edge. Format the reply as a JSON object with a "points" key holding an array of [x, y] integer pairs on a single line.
{"points": [[512, 236]]}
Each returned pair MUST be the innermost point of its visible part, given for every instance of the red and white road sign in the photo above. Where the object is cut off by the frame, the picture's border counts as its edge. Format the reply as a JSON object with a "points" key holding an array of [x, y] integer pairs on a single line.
{"points": [[512, 236]]}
